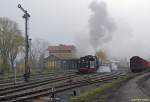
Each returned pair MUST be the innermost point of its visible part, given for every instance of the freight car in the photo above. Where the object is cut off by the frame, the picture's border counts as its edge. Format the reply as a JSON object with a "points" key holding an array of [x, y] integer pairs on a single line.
{"points": [[88, 64], [138, 64]]}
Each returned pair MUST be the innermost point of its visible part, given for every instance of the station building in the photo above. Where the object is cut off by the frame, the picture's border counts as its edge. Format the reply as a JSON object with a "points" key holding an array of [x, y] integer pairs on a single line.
{"points": [[61, 56]]}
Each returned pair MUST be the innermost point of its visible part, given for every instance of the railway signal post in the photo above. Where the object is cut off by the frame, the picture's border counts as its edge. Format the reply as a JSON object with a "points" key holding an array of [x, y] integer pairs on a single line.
{"points": [[27, 68], [52, 95]]}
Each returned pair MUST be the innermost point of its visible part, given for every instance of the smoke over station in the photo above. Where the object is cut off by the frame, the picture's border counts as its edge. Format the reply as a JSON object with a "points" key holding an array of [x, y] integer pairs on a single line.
{"points": [[101, 25]]}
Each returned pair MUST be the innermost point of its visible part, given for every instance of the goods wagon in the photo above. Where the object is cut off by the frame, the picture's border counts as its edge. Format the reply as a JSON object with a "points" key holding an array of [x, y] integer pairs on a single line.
{"points": [[138, 64]]}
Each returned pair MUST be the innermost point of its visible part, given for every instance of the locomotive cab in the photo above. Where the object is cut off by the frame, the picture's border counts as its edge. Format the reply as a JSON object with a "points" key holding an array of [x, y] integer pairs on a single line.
{"points": [[88, 64]]}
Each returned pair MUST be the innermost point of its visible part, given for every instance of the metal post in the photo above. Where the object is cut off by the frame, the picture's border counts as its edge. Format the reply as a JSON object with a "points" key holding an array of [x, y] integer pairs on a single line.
{"points": [[27, 68], [30, 53], [14, 66], [15, 74], [26, 50], [52, 95], [53, 92], [74, 93]]}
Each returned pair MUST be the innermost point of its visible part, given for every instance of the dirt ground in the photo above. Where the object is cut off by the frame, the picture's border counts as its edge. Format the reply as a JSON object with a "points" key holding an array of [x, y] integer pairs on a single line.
{"points": [[128, 92]]}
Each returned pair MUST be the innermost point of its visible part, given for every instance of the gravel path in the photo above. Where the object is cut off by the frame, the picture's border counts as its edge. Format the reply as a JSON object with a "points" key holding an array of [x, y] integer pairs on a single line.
{"points": [[129, 92]]}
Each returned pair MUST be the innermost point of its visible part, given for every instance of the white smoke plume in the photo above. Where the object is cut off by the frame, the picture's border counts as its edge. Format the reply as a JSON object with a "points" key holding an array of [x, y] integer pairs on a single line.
{"points": [[82, 43], [101, 25]]}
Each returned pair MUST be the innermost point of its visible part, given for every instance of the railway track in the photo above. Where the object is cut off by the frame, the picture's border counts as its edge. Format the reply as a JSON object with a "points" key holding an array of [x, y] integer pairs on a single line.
{"points": [[32, 91], [12, 88], [20, 79], [31, 84]]}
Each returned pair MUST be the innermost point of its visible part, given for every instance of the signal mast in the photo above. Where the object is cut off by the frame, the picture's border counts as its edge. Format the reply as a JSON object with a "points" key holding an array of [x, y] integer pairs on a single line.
{"points": [[27, 68]]}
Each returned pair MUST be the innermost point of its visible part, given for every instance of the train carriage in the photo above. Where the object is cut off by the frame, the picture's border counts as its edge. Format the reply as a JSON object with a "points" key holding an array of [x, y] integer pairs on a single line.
{"points": [[138, 64]]}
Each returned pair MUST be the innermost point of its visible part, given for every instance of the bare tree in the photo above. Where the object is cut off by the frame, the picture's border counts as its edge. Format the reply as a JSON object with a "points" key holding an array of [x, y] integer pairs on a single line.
{"points": [[38, 51], [10, 41], [102, 55], [15, 47]]}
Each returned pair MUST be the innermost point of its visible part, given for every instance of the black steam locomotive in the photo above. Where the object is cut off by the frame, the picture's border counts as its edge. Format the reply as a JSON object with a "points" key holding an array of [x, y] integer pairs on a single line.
{"points": [[88, 64]]}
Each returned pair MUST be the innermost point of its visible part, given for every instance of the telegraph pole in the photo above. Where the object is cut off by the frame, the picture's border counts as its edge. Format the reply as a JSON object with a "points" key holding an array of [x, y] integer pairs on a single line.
{"points": [[30, 45], [27, 68]]}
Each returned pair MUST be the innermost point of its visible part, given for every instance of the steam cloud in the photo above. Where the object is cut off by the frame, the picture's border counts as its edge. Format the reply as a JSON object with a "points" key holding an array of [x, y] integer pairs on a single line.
{"points": [[101, 24]]}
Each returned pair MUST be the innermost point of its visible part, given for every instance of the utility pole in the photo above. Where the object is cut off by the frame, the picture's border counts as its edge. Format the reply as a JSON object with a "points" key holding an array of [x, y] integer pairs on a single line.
{"points": [[27, 68], [30, 44]]}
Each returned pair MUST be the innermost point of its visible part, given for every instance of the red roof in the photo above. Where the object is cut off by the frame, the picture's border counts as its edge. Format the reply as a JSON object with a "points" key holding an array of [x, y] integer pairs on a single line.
{"points": [[61, 48]]}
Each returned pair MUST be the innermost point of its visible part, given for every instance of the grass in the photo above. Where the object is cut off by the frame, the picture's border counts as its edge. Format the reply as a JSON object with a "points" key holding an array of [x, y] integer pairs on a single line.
{"points": [[84, 97], [20, 70], [33, 72]]}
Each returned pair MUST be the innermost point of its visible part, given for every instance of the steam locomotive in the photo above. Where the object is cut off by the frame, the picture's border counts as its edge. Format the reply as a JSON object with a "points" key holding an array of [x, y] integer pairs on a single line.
{"points": [[138, 64], [88, 64]]}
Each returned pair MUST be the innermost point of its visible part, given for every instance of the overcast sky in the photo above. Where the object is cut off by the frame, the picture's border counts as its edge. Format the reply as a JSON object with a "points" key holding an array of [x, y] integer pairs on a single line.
{"points": [[64, 21]]}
